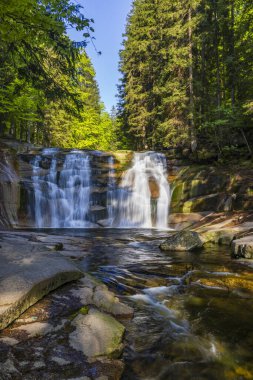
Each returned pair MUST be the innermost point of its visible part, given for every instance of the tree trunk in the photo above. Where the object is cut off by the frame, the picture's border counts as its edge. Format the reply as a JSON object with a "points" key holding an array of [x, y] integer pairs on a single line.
{"points": [[232, 54], [28, 135]]}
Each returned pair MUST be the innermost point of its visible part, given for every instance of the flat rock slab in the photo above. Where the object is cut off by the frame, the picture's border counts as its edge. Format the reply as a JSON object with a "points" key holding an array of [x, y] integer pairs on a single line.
{"points": [[27, 275]]}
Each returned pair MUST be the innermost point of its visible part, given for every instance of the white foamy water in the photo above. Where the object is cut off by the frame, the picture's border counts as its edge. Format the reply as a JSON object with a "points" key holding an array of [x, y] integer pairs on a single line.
{"points": [[133, 200], [62, 198]]}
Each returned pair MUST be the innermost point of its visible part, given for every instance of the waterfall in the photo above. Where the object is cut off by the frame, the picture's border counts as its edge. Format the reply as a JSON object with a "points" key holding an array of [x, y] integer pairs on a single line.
{"points": [[69, 191], [137, 203], [62, 197]]}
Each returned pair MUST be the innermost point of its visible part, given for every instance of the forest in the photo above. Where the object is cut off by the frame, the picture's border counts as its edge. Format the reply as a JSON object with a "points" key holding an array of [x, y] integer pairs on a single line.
{"points": [[186, 78], [48, 91]]}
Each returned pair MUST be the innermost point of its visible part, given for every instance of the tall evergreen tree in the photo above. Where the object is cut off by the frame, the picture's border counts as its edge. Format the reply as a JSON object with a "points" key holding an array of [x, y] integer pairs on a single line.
{"points": [[187, 74]]}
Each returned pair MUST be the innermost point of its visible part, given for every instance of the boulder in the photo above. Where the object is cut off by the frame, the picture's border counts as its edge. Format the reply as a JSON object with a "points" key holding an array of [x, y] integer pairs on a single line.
{"points": [[182, 241], [97, 334], [27, 276], [243, 248], [222, 236]]}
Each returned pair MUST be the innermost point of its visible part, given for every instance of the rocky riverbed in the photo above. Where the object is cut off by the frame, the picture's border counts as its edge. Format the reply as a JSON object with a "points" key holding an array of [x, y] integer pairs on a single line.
{"points": [[74, 332], [136, 312]]}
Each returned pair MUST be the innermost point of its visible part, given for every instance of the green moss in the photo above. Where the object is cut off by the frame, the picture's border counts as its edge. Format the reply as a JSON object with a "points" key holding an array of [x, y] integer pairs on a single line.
{"points": [[196, 187], [84, 310], [177, 192], [250, 191]]}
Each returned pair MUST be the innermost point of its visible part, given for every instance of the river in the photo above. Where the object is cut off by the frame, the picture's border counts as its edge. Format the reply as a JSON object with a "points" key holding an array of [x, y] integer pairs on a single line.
{"points": [[193, 311]]}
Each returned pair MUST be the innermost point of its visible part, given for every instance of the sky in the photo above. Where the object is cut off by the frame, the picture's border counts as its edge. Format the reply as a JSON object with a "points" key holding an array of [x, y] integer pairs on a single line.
{"points": [[110, 20]]}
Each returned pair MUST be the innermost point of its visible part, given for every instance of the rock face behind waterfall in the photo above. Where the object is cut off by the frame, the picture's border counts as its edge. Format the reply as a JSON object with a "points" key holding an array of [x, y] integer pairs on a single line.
{"points": [[9, 190]]}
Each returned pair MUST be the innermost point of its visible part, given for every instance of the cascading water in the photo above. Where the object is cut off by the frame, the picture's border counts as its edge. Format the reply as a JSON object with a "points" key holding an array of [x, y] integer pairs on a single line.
{"points": [[65, 196], [62, 200], [137, 206]]}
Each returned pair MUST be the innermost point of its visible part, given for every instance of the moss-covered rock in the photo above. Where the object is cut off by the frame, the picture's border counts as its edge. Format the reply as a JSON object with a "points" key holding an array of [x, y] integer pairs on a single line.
{"points": [[218, 236], [243, 248], [182, 241], [97, 334]]}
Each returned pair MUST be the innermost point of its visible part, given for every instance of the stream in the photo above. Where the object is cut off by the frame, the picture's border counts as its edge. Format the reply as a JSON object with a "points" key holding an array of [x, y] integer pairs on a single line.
{"points": [[193, 311]]}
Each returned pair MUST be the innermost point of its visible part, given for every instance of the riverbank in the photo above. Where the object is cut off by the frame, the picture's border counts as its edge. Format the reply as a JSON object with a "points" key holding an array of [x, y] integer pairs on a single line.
{"points": [[69, 333]]}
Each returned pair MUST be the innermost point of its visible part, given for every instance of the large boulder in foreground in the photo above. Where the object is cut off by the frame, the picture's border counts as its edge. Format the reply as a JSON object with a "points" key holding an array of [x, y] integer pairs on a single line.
{"points": [[26, 276], [182, 241]]}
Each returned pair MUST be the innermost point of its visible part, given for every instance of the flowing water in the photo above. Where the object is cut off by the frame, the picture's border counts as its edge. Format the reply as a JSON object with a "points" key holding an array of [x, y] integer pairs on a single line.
{"points": [[62, 198], [133, 201], [193, 311], [72, 186]]}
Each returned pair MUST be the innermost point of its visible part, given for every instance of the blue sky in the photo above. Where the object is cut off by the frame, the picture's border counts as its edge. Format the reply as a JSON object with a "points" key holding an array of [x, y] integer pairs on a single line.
{"points": [[110, 20]]}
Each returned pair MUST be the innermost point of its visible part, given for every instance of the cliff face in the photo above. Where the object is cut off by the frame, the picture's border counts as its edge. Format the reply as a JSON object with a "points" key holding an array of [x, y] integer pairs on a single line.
{"points": [[201, 188], [196, 190], [9, 188]]}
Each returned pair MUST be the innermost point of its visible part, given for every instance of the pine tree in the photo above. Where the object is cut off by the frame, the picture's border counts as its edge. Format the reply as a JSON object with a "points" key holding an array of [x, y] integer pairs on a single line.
{"points": [[187, 75]]}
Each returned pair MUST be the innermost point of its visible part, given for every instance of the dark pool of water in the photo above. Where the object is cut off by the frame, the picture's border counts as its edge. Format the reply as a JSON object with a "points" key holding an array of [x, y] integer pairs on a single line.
{"points": [[193, 311]]}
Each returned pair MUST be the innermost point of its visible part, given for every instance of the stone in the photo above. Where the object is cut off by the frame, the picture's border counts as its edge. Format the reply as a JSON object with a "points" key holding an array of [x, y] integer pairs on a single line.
{"points": [[107, 301], [97, 334], [218, 236], [182, 241], [9, 190], [56, 247], [60, 361], [243, 248], [202, 203], [27, 276], [9, 341], [9, 371], [84, 293], [39, 328]]}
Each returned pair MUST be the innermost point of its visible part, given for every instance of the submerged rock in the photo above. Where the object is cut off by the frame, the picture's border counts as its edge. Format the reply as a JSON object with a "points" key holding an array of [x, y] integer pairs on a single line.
{"points": [[182, 241], [107, 301], [97, 334]]}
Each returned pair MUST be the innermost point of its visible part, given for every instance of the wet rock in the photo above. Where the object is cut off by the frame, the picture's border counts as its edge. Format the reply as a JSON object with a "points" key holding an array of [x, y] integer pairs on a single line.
{"points": [[104, 222], [107, 301], [9, 371], [97, 334], [243, 248], [55, 247], [39, 328], [9, 341], [219, 236], [9, 190], [182, 241], [26, 277]]}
